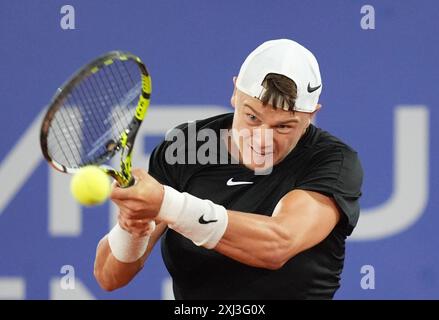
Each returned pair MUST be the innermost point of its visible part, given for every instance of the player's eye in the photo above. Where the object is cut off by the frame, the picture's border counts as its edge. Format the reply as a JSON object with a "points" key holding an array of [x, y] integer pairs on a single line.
{"points": [[251, 117], [283, 128]]}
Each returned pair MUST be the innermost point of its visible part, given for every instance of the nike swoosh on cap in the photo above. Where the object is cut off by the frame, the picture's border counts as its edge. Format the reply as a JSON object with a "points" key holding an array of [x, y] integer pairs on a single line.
{"points": [[230, 182], [312, 89]]}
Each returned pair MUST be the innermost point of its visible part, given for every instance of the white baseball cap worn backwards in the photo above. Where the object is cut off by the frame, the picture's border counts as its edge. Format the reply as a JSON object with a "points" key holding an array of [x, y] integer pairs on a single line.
{"points": [[288, 58]]}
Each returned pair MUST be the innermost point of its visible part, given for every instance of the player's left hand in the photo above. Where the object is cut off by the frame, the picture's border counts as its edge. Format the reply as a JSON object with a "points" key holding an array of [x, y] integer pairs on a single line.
{"points": [[140, 201]]}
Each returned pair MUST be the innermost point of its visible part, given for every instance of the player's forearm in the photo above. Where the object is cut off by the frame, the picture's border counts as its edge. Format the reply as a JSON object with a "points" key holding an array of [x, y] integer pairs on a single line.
{"points": [[110, 273], [256, 240], [252, 239]]}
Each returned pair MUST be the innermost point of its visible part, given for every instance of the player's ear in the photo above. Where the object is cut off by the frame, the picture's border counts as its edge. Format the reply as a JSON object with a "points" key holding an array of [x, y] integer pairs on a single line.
{"points": [[318, 106], [233, 98]]}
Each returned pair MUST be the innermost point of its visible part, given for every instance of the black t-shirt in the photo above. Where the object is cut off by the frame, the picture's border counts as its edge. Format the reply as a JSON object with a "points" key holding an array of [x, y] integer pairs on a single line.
{"points": [[320, 162]]}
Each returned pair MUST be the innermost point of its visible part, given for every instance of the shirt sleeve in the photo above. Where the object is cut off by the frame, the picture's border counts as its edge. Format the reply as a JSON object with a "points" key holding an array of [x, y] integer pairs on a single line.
{"points": [[158, 167], [338, 174]]}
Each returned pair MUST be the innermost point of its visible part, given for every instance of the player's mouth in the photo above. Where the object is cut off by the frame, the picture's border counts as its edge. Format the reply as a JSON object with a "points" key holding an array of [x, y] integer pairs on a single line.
{"points": [[261, 153]]}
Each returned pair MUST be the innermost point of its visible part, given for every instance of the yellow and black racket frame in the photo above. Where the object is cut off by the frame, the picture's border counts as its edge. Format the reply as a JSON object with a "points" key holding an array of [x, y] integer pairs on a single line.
{"points": [[126, 140]]}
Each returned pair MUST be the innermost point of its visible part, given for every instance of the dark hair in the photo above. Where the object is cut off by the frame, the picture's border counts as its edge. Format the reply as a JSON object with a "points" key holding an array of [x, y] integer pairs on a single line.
{"points": [[279, 90]]}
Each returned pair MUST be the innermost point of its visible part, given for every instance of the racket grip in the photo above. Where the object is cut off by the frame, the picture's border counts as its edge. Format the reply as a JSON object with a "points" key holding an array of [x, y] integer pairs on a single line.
{"points": [[131, 182]]}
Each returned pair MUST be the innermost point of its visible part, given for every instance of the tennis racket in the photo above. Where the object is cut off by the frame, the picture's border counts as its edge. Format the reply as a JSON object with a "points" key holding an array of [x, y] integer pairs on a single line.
{"points": [[96, 114]]}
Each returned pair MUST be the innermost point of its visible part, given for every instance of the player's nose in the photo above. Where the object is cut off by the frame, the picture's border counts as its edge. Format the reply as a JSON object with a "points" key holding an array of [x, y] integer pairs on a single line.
{"points": [[263, 139]]}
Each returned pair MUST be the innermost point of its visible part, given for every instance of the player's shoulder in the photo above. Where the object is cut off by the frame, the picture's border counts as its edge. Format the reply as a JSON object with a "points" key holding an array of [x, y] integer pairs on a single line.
{"points": [[215, 123], [325, 141], [185, 135], [324, 147]]}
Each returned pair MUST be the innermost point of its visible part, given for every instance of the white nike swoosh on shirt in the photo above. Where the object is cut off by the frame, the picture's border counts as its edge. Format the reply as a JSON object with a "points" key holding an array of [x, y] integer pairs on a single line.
{"points": [[230, 182]]}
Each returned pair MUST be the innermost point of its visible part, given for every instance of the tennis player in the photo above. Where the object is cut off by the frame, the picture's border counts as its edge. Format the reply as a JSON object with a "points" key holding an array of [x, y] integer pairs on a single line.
{"points": [[270, 225]]}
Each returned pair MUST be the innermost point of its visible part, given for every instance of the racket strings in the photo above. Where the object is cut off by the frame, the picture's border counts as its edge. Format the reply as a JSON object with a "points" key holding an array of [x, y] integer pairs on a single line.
{"points": [[94, 114], [66, 144], [93, 86], [63, 143], [120, 114], [86, 93]]}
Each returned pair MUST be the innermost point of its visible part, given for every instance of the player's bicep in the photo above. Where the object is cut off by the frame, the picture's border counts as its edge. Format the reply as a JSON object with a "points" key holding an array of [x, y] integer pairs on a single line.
{"points": [[307, 217]]}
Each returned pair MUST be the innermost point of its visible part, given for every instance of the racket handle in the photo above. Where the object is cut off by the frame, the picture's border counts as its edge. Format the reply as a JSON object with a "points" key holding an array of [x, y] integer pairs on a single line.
{"points": [[131, 183]]}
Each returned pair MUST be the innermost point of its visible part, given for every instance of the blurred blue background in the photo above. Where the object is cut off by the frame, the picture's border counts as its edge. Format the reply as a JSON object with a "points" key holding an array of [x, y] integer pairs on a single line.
{"points": [[378, 96]]}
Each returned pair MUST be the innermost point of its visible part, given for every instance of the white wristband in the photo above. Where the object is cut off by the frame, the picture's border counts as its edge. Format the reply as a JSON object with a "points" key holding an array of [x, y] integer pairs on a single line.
{"points": [[125, 247], [201, 221]]}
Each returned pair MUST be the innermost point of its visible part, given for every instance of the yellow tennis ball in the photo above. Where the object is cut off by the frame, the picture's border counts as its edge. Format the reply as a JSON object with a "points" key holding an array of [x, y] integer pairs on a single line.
{"points": [[90, 186]]}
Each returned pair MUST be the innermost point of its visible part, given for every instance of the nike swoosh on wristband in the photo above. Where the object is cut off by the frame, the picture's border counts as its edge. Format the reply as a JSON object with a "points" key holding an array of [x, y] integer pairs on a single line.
{"points": [[230, 182], [312, 89], [202, 221]]}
